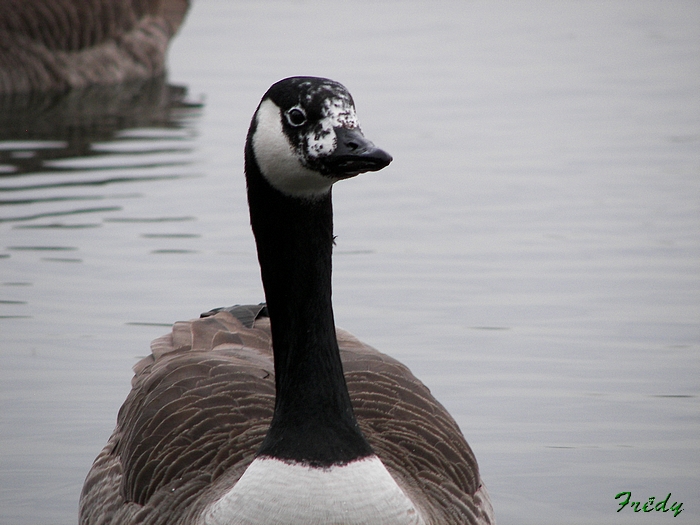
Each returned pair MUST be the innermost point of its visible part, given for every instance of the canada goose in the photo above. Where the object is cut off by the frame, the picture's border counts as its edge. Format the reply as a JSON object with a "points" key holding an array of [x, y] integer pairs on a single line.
{"points": [[62, 44], [243, 416]]}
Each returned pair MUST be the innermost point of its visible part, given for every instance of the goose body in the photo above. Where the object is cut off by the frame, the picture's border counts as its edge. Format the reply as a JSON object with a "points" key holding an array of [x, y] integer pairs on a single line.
{"points": [[61, 44], [270, 414]]}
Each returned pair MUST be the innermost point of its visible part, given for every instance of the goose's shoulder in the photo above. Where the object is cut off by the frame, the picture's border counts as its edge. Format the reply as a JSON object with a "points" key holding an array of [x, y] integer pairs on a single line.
{"points": [[216, 333], [199, 408], [414, 435]]}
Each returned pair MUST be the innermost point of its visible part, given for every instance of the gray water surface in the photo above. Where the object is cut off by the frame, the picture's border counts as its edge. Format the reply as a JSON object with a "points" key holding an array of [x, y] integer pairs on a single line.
{"points": [[532, 253]]}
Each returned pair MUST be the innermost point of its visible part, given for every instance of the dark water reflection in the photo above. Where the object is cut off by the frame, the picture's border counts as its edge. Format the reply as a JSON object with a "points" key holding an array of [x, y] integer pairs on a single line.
{"points": [[61, 154], [71, 165], [79, 117], [53, 146]]}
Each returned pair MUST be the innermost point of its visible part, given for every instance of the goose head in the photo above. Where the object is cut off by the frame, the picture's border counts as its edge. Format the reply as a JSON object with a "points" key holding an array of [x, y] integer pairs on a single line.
{"points": [[305, 136]]}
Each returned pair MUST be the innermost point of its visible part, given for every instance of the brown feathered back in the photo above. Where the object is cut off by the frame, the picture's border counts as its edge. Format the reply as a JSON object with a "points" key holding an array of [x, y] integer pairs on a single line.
{"points": [[201, 405], [61, 44]]}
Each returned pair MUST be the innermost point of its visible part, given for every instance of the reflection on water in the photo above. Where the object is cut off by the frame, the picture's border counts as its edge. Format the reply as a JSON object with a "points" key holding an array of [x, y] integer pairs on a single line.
{"points": [[72, 165], [75, 119], [56, 148], [68, 161]]}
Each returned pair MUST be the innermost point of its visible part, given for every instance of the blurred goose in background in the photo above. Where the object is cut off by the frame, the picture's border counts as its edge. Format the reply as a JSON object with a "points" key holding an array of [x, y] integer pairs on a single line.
{"points": [[269, 414], [62, 44]]}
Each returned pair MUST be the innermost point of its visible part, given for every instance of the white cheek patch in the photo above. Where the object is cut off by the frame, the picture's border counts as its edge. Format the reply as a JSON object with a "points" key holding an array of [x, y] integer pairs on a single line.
{"points": [[338, 113], [278, 161]]}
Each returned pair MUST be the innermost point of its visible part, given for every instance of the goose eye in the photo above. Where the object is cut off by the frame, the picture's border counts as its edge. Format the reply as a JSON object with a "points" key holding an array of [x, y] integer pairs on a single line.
{"points": [[296, 116]]}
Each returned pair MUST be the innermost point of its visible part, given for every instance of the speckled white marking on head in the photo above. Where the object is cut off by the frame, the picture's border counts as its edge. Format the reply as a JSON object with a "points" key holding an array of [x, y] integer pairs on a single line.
{"points": [[338, 112], [278, 160], [273, 492]]}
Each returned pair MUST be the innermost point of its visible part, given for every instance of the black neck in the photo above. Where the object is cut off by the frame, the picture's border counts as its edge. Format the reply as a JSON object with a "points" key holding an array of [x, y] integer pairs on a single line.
{"points": [[313, 420]]}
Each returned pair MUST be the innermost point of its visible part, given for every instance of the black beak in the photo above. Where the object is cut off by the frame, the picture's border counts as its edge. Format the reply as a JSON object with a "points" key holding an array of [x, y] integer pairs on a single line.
{"points": [[354, 154]]}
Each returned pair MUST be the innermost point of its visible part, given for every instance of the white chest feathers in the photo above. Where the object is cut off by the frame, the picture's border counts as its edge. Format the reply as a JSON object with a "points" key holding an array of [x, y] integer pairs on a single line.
{"points": [[272, 492]]}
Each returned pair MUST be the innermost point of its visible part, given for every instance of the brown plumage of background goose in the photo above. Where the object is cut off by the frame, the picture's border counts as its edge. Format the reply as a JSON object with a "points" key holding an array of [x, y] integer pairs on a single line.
{"points": [[268, 414], [61, 44]]}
